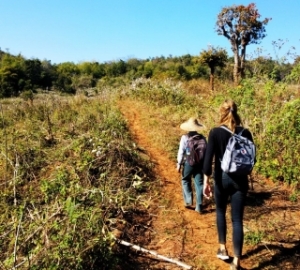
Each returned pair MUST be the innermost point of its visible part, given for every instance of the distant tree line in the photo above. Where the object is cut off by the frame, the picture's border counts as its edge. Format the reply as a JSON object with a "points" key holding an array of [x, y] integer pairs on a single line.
{"points": [[240, 24], [18, 74]]}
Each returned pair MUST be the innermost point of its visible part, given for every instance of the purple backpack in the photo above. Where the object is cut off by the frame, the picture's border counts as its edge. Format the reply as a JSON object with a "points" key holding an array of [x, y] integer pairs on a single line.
{"points": [[195, 150]]}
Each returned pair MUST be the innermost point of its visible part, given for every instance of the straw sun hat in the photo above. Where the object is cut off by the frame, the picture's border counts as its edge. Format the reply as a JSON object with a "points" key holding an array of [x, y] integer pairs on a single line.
{"points": [[191, 125]]}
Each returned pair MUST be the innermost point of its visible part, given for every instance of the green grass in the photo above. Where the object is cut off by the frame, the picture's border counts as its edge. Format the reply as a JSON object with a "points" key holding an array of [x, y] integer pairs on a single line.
{"points": [[69, 173]]}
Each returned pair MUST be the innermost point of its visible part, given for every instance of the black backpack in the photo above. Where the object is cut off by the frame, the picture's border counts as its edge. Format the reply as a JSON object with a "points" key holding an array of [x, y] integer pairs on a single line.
{"points": [[195, 149]]}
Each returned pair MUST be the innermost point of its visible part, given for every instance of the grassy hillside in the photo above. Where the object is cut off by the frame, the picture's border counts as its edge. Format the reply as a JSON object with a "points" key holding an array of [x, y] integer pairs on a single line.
{"points": [[71, 173]]}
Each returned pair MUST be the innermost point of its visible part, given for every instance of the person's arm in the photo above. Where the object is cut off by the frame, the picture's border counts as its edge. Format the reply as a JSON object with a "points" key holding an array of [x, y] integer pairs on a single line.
{"points": [[180, 155], [207, 168], [206, 187], [209, 154]]}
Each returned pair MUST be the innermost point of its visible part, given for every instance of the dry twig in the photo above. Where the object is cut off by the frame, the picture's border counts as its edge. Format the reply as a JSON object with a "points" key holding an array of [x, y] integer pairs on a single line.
{"points": [[122, 242]]}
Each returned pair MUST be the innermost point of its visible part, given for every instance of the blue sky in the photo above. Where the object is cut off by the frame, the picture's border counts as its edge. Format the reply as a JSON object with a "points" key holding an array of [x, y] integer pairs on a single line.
{"points": [[109, 30]]}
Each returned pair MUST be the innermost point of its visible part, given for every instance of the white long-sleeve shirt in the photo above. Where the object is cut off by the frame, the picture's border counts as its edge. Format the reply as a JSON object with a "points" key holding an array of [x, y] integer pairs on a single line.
{"points": [[182, 147]]}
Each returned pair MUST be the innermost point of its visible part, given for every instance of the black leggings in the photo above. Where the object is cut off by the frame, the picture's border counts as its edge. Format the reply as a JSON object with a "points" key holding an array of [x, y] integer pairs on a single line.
{"points": [[235, 189]]}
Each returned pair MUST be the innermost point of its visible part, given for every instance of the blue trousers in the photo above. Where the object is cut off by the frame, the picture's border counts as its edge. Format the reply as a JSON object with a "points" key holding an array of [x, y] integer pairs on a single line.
{"points": [[188, 173], [235, 188]]}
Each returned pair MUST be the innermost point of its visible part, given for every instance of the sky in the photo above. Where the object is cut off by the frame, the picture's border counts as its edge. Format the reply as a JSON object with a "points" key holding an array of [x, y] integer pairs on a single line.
{"points": [[109, 30]]}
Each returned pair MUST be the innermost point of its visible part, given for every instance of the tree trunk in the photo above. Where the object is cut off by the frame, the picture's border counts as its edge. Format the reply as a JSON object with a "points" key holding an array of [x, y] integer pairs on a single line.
{"points": [[243, 57], [212, 78], [236, 68]]}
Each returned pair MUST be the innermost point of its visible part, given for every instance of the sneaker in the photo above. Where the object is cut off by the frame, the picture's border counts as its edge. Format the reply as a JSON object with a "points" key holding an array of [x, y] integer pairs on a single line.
{"points": [[199, 209], [234, 267], [222, 254]]}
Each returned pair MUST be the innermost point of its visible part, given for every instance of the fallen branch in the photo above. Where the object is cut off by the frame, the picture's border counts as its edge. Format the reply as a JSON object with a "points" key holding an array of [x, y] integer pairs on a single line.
{"points": [[16, 240], [122, 242]]}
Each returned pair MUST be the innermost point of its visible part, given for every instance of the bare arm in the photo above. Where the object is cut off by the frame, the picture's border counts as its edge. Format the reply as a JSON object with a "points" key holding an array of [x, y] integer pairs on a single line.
{"points": [[206, 187]]}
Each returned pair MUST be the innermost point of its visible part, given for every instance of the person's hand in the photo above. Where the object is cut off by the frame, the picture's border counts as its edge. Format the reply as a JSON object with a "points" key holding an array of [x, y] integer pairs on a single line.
{"points": [[207, 191], [178, 167]]}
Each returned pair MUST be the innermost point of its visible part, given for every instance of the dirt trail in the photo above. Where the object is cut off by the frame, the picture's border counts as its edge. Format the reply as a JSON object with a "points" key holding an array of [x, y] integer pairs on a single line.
{"points": [[180, 233]]}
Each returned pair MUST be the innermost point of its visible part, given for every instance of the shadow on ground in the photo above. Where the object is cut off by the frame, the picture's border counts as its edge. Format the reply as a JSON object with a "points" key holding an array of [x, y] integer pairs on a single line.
{"points": [[257, 198], [280, 257]]}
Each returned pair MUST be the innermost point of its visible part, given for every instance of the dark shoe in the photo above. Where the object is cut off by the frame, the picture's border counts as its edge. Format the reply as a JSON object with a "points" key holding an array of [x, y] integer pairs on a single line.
{"points": [[222, 254], [189, 206], [234, 267]]}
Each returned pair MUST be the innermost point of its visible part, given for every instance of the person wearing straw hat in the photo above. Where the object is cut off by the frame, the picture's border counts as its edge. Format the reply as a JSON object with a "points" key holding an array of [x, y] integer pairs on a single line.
{"points": [[192, 126]]}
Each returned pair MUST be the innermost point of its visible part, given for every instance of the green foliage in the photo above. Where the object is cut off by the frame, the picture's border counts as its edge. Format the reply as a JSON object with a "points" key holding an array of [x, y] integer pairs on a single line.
{"points": [[71, 173], [294, 196], [270, 110], [11, 75], [280, 143], [161, 94], [294, 76], [213, 57], [260, 67], [253, 238], [27, 95], [93, 69], [115, 69], [69, 193], [18, 74], [33, 68]]}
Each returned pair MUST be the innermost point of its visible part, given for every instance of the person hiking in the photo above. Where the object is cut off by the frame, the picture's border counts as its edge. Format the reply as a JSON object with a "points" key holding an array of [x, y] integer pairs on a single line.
{"points": [[226, 185], [190, 155]]}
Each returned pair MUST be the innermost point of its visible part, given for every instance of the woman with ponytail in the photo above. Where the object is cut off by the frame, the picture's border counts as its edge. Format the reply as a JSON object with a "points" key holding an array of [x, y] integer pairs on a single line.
{"points": [[226, 185]]}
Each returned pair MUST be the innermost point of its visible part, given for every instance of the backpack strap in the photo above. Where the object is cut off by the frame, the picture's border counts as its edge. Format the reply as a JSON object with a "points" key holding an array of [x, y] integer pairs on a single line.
{"points": [[227, 129], [195, 136], [231, 131]]}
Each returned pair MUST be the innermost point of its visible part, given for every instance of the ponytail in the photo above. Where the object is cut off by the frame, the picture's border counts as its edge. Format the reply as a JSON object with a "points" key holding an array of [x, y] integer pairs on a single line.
{"points": [[229, 116]]}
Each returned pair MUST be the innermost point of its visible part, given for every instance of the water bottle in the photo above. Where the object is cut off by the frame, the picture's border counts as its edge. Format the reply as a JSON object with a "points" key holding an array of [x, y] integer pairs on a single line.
{"points": [[187, 151]]}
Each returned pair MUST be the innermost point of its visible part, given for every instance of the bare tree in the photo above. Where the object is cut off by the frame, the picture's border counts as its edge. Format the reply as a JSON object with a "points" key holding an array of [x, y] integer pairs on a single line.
{"points": [[241, 26]]}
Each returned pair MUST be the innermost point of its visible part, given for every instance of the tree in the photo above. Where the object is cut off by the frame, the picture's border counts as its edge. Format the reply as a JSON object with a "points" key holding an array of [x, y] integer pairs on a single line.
{"points": [[241, 26], [115, 69], [94, 69], [11, 75], [67, 72], [213, 57], [33, 71], [148, 69], [294, 76], [48, 74], [182, 72]]}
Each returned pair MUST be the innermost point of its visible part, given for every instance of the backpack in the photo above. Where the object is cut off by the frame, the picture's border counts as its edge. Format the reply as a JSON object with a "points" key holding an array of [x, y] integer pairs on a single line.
{"points": [[239, 156], [195, 149]]}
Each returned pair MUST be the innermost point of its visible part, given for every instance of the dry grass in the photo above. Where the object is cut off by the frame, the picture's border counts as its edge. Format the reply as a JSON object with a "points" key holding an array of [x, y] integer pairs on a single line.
{"points": [[73, 175], [271, 218], [77, 162]]}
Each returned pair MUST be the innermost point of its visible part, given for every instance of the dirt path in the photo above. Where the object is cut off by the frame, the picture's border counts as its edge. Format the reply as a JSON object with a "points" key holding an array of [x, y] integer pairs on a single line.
{"points": [[179, 233]]}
